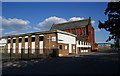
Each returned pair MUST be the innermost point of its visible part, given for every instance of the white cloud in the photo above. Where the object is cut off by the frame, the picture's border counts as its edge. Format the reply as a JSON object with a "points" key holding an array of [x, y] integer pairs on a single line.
{"points": [[52, 20], [75, 18], [11, 33], [48, 22], [92, 22], [35, 28], [97, 30], [14, 23], [78, 18]]}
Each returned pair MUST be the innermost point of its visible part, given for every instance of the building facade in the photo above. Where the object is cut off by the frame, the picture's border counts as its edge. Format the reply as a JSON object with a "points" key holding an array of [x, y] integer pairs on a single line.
{"points": [[83, 47], [82, 28], [41, 43]]}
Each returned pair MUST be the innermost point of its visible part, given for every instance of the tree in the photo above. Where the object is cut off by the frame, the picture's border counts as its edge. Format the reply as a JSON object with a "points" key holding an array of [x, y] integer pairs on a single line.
{"points": [[113, 23]]}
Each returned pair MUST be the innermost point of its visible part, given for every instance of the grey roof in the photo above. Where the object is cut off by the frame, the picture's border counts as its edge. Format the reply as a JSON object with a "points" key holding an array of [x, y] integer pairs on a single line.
{"points": [[81, 38], [71, 25]]}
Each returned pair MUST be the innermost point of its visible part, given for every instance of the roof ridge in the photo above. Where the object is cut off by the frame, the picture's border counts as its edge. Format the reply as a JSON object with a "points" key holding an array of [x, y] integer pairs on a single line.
{"points": [[71, 22]]}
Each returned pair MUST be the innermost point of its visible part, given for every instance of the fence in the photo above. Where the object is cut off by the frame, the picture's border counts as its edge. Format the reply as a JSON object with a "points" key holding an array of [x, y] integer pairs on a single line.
{"points": [[26, 54]]}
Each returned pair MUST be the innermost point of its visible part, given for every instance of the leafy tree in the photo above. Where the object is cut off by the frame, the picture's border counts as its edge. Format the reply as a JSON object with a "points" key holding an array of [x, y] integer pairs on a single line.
{"points": [[113, 23]]}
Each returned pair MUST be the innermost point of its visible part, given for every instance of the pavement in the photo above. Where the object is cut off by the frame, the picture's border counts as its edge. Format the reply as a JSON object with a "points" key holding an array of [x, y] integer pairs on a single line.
{"points": [[95, 63]]}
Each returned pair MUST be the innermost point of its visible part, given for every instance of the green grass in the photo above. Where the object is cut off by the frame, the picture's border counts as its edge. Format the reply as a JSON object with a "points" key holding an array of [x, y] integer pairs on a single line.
{"points": [[102, 49]]}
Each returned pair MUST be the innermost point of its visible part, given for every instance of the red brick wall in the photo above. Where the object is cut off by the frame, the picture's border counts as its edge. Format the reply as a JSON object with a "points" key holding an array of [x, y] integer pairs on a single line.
{"points": [[89, 34], [23, 44], [73, 50], [49, 44], [29, 44], [63, 51]]}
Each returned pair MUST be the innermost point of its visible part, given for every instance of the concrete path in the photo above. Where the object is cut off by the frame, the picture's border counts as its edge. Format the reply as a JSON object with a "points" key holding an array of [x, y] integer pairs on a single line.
{"points": [[87, 64]]}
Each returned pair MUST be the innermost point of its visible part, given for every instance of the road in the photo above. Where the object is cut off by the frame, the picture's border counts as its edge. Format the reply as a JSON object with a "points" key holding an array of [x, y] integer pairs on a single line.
{"points": [[97, 63]]}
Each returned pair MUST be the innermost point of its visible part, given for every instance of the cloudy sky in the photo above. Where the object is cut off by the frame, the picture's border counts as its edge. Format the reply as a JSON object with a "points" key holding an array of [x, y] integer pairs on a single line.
{"points": [[26, 17]]}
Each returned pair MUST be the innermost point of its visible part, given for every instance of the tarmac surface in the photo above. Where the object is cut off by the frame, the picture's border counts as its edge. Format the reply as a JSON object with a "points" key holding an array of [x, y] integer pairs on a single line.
{"points": [[96, 63]]}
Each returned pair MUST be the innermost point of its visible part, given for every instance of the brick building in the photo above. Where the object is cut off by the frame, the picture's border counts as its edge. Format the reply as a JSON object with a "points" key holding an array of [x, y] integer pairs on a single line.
{"points": [[41, 43], [82, 28], [74, 37]]}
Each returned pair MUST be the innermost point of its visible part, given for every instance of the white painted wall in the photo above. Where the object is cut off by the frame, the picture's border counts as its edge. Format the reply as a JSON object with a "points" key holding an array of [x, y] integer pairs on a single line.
{"points": [[33, 47], [8, 47], [41, 47], [67, 39], [14, 47], [70, 48], [26, 47], [20, 46]]}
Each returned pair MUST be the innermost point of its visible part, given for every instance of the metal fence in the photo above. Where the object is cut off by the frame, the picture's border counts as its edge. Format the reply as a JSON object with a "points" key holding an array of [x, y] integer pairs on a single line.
{"points": [[26, 54]]}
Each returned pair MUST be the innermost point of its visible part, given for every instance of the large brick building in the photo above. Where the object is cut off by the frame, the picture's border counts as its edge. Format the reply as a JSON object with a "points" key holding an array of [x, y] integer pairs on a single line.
{"points": [[45, 43], [82, 28]]}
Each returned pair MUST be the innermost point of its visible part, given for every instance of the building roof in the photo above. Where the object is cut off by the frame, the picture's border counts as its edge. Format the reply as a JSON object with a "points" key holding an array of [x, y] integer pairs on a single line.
{"points": [[38, 33], [71, 25], [82, 38]]}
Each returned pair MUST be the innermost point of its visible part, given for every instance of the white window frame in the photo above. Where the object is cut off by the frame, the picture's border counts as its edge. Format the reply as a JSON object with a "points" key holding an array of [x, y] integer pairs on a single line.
{"points": [[53, 38]]}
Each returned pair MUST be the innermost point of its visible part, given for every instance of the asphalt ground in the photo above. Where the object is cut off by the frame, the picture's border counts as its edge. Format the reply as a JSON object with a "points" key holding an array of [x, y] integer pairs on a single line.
{"points": [[96, 63]]}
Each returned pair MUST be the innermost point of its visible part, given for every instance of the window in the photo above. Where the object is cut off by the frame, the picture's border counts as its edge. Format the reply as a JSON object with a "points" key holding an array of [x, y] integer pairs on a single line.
{"points": [[53, 38], [33, 39], [65, 46], [8, 41], [85, 32], [60, 47], [41, 38], [14, 40], [26, 39], [82, 32], [20, 39], [78, 32]]}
